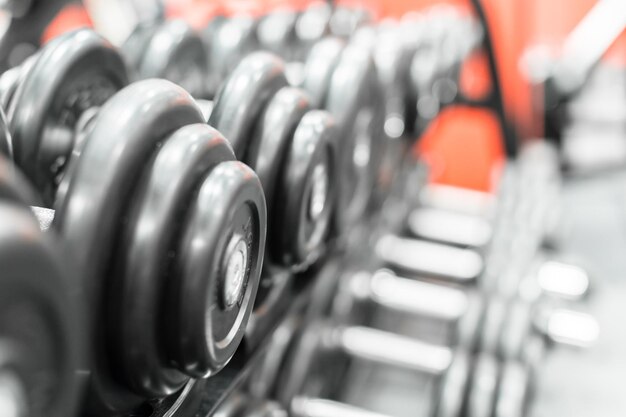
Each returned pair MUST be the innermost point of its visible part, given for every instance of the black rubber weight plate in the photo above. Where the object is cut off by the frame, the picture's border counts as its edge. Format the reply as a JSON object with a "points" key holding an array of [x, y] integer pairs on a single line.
{"points": [[38, 344], [127, 133]]}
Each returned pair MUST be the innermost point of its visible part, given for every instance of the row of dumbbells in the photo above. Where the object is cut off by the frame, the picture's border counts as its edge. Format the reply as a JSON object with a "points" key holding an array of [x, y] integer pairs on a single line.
{"points": [[155, 253], [482, 346]]}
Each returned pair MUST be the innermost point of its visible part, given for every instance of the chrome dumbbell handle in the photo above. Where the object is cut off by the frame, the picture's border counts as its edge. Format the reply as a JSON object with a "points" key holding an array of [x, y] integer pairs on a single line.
{"points": [[392, 349], [408, 296], [419, 256], [319, 407], [460, 265]]}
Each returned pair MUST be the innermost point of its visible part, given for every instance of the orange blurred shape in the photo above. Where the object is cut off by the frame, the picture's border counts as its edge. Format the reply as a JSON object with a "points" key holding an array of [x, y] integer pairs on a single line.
{"points": [[253, 8], [198, 13], [463, 147], [70, 17], [398, 8], [474, 80]]}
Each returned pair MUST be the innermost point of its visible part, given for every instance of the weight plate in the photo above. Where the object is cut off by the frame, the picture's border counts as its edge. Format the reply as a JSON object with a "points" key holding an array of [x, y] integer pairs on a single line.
{"points": [[353, 99], [224, 239], [166, 189], [126, 134], [39, 350], [493, 324], [6, 148], [10, 79], [14, 187], [470, 325], [306, 197], [483, 387], [514, 391], [134, 47], [516, 331], [176, 52], [233, 40], [311, 26], [450, 401], [276, 32], [346, 20], [209, 36], [71, 74], [319, 67], [272, 138], [244, 95]]}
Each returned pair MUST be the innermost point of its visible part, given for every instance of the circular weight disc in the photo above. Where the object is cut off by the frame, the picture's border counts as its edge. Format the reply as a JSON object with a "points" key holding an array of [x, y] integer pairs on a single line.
{"points": [[38, 328], [209, 36], [218, 271], [243, 96], [6, 148], [483, 386], [271, 138], [319, 68], [71, 74], [14, 187], [470, 325], [176, 52], [311, 26], [493, 323], [10, 79], [346, 20], [154, 222], [128, 131], [307, 193], [233, 39], [393, 66], [516, 331], [276, 32], [134, 47], [514, 391], [453, 389], [354, 102]]}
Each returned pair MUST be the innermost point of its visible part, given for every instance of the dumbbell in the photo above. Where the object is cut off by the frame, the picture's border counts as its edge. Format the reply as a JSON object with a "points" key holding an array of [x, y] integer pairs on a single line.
{"points": [[155, 194], [322, 353], [170, 50], [354, 105], [249, 117], [273, 128], [40, 346], [526, 200], [49, 100], [494, 324]]}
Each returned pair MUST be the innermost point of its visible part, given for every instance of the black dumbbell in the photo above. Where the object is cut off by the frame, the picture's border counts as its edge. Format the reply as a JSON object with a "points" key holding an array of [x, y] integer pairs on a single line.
{"points": [[170, 50], [274, 129], [342, 79], [48, 103], [155, 194], [292, 148], [40, 348]]}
